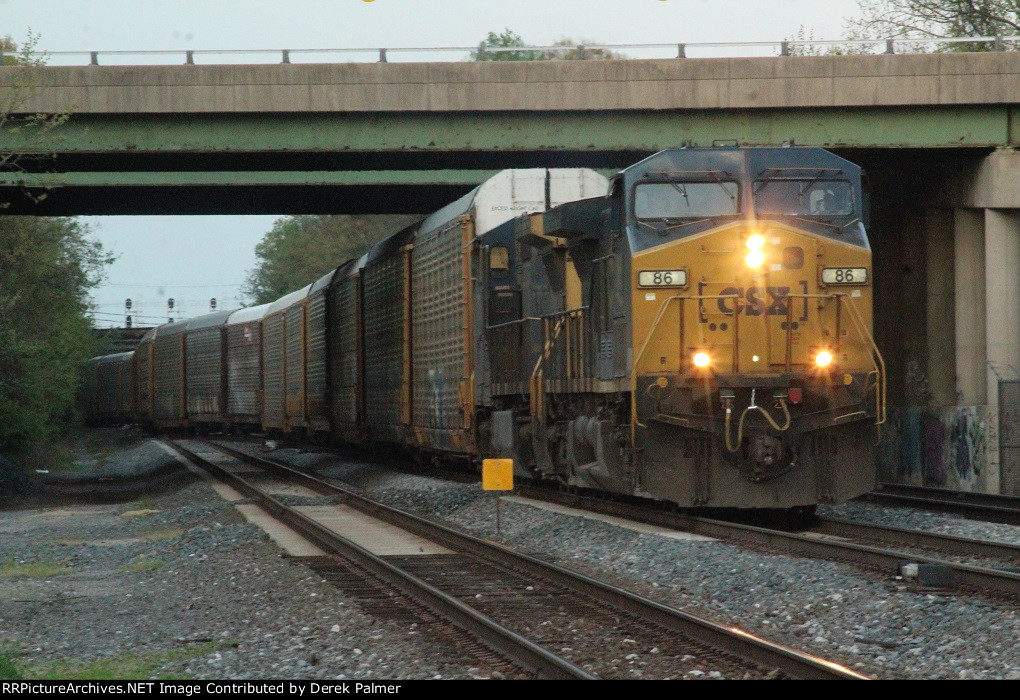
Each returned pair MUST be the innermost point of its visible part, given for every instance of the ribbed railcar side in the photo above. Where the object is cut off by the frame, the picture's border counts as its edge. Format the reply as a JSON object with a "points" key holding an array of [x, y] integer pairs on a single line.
{"points": [[387, 352], [169, 404], [316, 392], [345, 351], [294, 391], [438, 348], [143, 377], [204, 373], [283, 364], [244, 366], [125, 386], [273, 369], [206, 381]]}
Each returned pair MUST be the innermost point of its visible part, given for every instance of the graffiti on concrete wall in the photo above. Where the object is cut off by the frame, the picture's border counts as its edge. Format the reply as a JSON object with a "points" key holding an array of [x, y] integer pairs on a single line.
{"points": [[935, 446]]}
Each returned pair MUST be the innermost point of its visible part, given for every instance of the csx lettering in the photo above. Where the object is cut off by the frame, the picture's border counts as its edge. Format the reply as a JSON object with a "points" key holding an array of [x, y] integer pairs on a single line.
{"points": [[759, 300]]}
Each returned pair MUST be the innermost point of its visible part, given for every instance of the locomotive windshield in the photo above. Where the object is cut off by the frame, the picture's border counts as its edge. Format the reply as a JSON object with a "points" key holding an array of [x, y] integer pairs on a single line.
{"points": [[685, 200], [803, 197]]}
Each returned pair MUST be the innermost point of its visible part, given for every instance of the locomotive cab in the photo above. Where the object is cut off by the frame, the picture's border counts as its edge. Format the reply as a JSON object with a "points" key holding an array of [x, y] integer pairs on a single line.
{"points": [[721, 354]]}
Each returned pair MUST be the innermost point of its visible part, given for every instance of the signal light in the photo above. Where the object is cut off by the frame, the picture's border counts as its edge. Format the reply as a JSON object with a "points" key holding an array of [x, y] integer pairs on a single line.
{"points": [[701, 360], [823, 358]]}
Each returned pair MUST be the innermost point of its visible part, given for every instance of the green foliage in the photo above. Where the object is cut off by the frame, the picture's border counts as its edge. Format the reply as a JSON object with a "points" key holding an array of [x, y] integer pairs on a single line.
{"points": [[8, 671], [49, 266], [300, 249], [127, 666], [13, 570], [804, 35], [509, 39], [25, 82]]}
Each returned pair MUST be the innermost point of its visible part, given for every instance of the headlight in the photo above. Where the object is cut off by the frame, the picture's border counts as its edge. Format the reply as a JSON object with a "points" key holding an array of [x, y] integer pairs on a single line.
{"points": [[755, 242], [701, 360], [755, 258], [823, 358]]}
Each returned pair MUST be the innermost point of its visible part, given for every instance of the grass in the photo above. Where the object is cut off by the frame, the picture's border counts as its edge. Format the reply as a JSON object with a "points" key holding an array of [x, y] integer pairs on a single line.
{"points": [[143, 503], [146, 565], [128, 666], [8, 670], [12, 570]]}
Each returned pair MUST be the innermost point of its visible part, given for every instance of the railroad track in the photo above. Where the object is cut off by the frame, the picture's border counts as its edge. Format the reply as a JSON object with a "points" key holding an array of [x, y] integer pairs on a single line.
{"points": [[503, 595], [828, 542], [979, 506]]}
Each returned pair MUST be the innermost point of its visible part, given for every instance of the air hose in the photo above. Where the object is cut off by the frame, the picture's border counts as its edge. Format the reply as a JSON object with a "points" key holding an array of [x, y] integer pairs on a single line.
{"points": [[740, 423]]}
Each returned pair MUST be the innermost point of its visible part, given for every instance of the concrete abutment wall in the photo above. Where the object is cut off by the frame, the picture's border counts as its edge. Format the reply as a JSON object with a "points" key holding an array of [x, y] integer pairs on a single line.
{"points": [[947, 268]]}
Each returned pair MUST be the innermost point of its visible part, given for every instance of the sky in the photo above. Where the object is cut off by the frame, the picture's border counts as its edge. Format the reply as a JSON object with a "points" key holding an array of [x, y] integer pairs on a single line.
{"points": [[195, 258]]}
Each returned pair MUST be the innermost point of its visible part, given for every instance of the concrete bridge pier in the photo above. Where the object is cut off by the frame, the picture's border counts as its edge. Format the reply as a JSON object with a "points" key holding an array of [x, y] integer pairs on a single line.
{"points": [[972, 306]]}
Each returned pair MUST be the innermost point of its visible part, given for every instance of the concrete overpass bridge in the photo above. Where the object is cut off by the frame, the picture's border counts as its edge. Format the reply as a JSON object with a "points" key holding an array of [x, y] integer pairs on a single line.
{"points": [[406, 137], [935, 132]]}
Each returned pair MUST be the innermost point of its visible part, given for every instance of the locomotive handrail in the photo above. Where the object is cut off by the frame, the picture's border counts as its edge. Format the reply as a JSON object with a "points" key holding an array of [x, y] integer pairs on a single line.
{"points": [[880, 384], [877, 360], [536, 382], [537, 318], [634, 423]]}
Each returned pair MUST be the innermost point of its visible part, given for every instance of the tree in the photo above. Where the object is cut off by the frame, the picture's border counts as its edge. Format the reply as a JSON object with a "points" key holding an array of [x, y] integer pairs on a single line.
{"points": [[797, 48], [505, 40], [49, 267], [21, 81], [300, 249], [509, 39], [923, 19]]}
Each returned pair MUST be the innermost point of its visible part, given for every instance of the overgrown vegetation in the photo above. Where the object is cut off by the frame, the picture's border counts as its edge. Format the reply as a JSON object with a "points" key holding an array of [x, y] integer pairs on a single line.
{"points": [[522, 51], [12, 570], [8, 670], [300, 249], [939, 18], [48, 266], [127, 666]]}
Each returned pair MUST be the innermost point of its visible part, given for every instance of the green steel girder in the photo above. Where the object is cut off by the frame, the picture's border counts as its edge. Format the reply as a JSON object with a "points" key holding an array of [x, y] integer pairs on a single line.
{"points": [[411, 162], [244, 178], [432, 133]]}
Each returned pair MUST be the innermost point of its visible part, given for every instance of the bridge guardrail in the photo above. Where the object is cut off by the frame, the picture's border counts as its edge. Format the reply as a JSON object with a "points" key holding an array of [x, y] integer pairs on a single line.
{"points": [[703, 49]]}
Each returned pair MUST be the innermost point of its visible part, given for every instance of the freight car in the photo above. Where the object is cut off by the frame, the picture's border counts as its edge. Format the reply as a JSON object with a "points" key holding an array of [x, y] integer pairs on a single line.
{"points": [[696, 330], [107, 390]]}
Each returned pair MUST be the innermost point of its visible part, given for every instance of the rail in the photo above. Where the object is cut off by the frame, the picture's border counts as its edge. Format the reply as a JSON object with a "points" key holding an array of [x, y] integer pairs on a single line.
{"points": [[720, 638], [777, 48]]}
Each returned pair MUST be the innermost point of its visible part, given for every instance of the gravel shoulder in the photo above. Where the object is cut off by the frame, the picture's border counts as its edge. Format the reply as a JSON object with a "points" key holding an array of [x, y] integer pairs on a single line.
{"points": [[878, 627], [179, 585]]}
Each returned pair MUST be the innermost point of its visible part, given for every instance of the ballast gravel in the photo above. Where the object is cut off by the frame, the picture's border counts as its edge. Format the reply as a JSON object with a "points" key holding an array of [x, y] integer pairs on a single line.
{"points": [[916, 519], [157, 577], [871, 624]]}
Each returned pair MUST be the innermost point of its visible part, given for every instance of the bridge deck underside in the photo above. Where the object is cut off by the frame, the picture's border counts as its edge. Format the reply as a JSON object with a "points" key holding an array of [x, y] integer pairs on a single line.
{"points": [[410, 162]]}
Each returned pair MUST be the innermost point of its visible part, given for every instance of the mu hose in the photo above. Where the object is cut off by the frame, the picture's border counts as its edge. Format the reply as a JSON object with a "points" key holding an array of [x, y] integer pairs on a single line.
{"points": [[743, 415]]}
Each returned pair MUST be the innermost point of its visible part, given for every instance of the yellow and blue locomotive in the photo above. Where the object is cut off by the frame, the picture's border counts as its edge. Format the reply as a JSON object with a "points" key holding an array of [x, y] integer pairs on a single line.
{"points": [[700, 335]]}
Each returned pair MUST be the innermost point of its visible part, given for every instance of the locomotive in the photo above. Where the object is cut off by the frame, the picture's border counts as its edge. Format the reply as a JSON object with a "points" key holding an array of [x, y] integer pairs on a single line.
{"points": [[697, 329]]}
